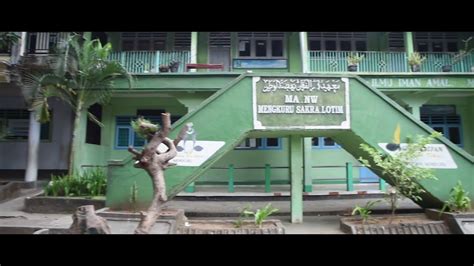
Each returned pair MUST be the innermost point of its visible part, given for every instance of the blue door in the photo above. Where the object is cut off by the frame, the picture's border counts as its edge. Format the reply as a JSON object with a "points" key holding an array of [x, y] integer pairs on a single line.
{"points": [[367, 176]]}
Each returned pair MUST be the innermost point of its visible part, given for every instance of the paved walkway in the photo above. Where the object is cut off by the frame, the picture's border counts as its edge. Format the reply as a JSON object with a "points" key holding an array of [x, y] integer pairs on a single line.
{"points": [[321, 215]]}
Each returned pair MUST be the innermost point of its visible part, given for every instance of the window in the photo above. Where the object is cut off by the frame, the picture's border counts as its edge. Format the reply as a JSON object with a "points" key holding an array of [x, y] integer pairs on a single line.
{"points": [[337, 41], [261, 44], [16, 123], [93, 130], [182, 41], [125, 135], [448, 125], [443, 118], [324, 143], [143, 41], [436, 41], [396, 42], [45, 42], [260, 144]]}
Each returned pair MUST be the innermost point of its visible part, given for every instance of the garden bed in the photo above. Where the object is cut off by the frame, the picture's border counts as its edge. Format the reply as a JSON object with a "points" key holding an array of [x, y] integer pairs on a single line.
{"points": [[228, 227], [459, 222], [43, 204], [401, 224]]}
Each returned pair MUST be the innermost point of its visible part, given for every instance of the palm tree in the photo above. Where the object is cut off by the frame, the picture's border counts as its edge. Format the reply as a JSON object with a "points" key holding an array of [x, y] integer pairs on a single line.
{"points": [[81, 76]]}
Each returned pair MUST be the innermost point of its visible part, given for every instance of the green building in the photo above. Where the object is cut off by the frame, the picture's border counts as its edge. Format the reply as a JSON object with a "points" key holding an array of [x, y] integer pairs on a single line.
{"points": [[217, 65]]}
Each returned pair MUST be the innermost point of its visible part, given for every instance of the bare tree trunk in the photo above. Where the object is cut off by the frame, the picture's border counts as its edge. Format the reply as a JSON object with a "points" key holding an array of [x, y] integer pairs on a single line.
{"points": [[75, 129], [155, 164], [85, 221]]}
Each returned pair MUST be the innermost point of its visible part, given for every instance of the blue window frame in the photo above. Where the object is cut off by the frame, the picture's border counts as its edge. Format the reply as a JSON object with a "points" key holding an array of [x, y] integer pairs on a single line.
{"points": [[260, 144], [124, 134], [324, 143], [449, 125]]}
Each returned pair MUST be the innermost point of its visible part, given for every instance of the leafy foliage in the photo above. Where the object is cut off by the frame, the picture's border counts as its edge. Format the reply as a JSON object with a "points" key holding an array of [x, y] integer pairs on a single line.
{"points": [[92, 183], [458, 200], [401, 168], [261, 214], [415, 59], [144, 127], [354, 58], [81, 75], [364, 212], [7, 39]]}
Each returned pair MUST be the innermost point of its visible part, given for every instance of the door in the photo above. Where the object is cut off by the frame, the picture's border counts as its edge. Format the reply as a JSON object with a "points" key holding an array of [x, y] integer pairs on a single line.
{"points": [[219, 49], [220, 55]]}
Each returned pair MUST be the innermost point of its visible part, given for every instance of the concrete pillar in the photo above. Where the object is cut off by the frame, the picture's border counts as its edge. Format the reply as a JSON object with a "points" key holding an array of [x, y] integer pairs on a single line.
{"points": [[415, 102], [409, 44], [304, 51], [23, 42], [308, 180], [296, 173], [194, 45], [31, 174]]}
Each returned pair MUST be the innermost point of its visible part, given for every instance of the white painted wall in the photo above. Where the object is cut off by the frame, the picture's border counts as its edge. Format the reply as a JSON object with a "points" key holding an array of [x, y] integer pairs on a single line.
{"points": [[52, 154]]}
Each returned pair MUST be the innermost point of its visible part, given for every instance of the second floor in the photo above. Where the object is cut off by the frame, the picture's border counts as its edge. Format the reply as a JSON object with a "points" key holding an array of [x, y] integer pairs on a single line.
{"points": [[295, 52]]}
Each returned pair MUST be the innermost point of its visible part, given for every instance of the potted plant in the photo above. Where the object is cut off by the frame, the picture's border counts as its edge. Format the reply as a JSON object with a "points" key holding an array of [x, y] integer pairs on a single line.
{"points": [[174, 65], [459, 56], [415, 60], [164, 68], [353, 60]]}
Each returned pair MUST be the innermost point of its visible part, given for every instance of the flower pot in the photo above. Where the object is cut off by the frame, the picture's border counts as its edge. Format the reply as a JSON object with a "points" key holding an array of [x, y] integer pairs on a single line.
{"points": [[352, 68], [447, 68], [174, 68], [415, 68], [164, 69]]}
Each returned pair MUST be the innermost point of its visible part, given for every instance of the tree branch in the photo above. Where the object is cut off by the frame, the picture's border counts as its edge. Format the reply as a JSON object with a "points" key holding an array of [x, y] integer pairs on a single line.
{"points": [[181, 135]]}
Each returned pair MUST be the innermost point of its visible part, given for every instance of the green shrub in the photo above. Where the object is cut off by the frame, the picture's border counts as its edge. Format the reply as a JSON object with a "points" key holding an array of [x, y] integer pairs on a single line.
{"points": [[364, 212], [405, 175], [458, 200], [261, 214], [92, 183]]}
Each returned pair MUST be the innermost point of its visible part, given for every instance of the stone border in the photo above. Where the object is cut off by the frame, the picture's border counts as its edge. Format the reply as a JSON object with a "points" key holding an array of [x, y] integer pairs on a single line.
{"points": [[175, 215], [279, 229], [65, 231], [434, 227], [12, 189], [42, 204], [452, 219]]}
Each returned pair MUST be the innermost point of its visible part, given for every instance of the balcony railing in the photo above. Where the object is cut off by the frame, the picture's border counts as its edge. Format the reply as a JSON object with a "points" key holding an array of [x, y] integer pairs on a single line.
{"points": [[385, 62], [149, 61]]}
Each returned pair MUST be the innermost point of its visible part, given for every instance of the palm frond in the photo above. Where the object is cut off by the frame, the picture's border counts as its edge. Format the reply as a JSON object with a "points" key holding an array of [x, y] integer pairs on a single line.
{"points": [[94, 119]]}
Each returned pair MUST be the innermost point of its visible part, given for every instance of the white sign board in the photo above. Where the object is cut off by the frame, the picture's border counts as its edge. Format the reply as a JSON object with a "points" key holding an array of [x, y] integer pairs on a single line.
{"points": [[435, 156], [195, 154]]}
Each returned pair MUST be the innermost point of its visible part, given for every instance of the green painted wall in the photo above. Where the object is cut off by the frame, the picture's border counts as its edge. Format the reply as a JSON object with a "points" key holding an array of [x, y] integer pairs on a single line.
{"points": [[203, 49], [230, 112], [294, 52], [328, 165]]}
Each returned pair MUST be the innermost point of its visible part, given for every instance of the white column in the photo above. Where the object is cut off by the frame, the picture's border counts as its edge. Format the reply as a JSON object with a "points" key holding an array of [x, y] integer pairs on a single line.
{"points": [[23, 42], [304, 51], [194, 41], [33, 145]]}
